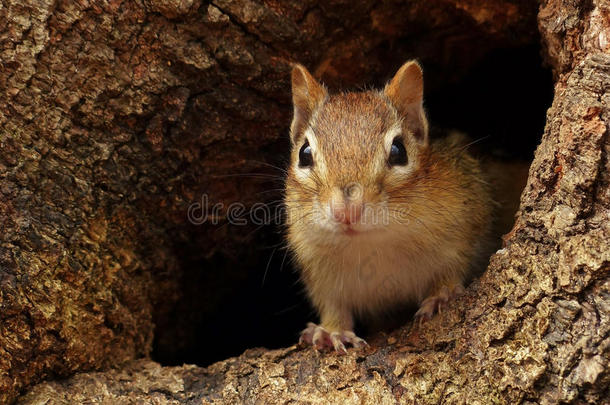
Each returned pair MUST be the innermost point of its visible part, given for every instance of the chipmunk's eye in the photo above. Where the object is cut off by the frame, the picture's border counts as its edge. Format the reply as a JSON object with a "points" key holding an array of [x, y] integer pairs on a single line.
{"points": [[398, 153], [305, 157]]}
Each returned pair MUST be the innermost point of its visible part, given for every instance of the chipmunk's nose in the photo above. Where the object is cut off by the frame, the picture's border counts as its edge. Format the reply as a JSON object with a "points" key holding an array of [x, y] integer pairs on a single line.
{"points": [[346, 212], [346, 204]]}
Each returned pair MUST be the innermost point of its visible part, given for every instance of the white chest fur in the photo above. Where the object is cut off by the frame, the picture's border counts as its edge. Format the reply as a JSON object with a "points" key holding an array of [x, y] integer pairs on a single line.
{"points": [[370, 273]]}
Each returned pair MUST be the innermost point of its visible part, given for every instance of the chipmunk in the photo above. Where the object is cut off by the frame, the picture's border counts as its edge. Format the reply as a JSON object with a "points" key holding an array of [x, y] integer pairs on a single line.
{"points": [[377, 215]]}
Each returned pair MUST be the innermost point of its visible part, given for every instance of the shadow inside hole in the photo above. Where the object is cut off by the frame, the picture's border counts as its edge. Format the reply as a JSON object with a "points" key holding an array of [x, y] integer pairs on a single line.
{"points": [[226, 307], [234, 303], [502, 101]]}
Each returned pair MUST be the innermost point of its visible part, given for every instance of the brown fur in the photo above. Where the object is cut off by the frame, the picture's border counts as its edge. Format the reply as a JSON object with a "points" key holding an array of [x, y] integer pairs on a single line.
{"points": [[439, 205]]}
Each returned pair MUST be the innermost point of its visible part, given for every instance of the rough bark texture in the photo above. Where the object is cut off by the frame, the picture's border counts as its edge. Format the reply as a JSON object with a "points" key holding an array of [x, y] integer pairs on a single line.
{"points": [[116, 115]]}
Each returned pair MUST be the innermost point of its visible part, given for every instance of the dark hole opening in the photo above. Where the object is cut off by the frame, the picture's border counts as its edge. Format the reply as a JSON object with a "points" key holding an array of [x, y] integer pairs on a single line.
{"points": [[503, 99]]}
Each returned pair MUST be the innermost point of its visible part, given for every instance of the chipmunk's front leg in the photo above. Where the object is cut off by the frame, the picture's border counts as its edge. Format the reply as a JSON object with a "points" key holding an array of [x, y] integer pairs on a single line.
{"points": [[334, 332]]}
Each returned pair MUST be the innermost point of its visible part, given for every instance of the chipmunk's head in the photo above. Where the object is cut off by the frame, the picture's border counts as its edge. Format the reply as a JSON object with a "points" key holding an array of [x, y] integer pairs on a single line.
{"points": [[354, 154]]}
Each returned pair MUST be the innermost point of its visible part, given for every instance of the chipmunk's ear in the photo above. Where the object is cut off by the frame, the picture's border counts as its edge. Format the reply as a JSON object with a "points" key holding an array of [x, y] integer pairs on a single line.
{"points": [[406, 93], [307, 95]]}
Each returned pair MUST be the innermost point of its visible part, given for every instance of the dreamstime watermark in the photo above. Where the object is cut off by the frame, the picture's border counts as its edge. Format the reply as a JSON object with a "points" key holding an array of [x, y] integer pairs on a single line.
{"points": [[370, 270], [367, 270], [239, 214]]}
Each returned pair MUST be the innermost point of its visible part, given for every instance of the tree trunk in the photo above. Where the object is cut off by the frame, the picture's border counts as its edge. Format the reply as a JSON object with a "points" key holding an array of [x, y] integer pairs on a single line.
{"points": [[117, 115]]}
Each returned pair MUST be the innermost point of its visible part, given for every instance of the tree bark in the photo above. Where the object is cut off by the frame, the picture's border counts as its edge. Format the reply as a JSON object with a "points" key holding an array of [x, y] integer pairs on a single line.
{"points": [[116, 115]]}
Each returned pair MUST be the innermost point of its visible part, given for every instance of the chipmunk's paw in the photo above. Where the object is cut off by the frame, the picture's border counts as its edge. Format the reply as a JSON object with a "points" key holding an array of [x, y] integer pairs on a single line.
{"points": [[436, 302], [322, 339]]}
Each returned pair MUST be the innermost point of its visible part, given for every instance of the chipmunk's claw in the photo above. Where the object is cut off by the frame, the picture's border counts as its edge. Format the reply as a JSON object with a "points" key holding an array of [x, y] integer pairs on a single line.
{"points": [[435, 303], [322, 339]]}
